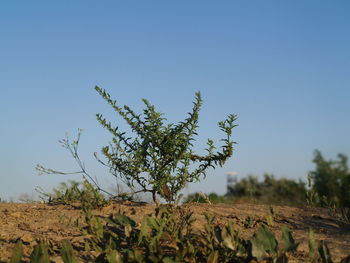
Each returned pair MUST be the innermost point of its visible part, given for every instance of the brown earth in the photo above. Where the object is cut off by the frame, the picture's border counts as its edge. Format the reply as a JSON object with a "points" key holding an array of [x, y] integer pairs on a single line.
{"points": [[31, 222]]}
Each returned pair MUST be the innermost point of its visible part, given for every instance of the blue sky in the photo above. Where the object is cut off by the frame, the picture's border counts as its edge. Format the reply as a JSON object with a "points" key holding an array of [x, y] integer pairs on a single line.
{"points": [[282, 66]]}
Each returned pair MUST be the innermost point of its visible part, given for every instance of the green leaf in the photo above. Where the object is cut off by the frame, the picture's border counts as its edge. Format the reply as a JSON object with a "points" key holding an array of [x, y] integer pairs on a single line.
{"points": [[40, 254], [289, 243], [17, 253], [168, 260], [152, 222], [312, 244], [218, 234], [67, 254], [324, 252], [228, 243], [270, 220], [135, 255], [121, 220], [114, 256], [264, 243], [213, 257]]}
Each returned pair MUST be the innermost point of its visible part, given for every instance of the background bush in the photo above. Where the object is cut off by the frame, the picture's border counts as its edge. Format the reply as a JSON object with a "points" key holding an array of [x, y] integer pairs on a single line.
{"points": [[331, 180], [269, 191], [329, 185]]}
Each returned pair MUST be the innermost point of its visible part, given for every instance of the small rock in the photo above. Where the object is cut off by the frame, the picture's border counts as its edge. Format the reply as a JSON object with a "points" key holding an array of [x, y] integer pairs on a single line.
{"points": [[27, 238], [5, 211], [133, 211], [24, 226], [45, 228], [16, 214]]}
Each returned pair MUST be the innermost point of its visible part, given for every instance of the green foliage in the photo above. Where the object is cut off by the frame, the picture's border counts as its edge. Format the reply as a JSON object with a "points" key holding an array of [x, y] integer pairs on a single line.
{"points": [[223, 242], [264, 244], [139, 244], [269, 191], [67, 252], [40, 253], [159, 159], [289, 243], [344, 214], [312, 245], [74, 192], [319, 251], [270, 218], [212, 198], [249, 222], [266, 247], [65, 193], [168, 236], [17, 253], [324, 253], [329, 186], [331, 180]]}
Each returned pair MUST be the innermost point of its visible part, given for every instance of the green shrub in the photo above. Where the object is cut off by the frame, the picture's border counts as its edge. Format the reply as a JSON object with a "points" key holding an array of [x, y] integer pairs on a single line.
{"points": [[160, 159]]}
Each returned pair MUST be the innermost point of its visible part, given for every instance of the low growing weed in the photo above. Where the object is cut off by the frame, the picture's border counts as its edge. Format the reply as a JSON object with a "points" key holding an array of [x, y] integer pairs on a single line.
{"points": [[168, 235], [74, 193]]}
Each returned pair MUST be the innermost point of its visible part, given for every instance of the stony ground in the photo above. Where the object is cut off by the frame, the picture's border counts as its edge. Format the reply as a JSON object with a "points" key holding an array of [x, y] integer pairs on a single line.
{"points": [[31, 222]]}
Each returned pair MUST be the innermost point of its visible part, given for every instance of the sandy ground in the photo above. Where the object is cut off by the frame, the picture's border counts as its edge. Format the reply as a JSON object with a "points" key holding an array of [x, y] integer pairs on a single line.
{"points": [[32, 222]]}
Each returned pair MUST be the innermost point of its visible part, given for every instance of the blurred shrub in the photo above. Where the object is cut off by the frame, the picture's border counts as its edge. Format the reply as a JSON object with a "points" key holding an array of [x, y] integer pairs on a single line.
{"points": [[212, 198], [329, 186], [250, 190], [331, 180], [281, 191]]}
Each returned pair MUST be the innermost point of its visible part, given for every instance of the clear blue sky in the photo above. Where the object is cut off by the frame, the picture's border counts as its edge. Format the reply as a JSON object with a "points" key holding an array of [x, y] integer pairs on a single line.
{"points": [[282, 66]]}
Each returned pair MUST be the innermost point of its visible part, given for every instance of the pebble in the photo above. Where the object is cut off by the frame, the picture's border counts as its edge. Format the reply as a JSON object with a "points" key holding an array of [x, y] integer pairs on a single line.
{"points": [[27, 238], [16, 214]]}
